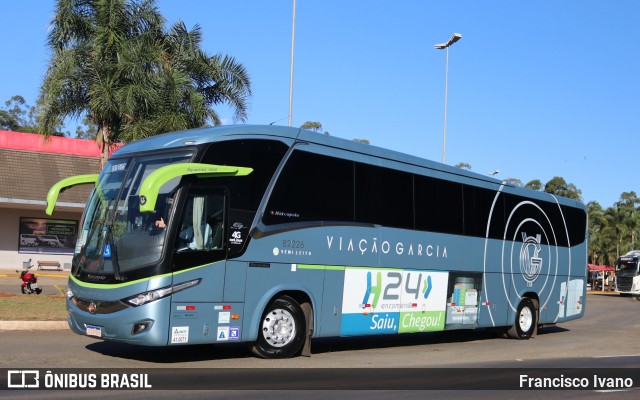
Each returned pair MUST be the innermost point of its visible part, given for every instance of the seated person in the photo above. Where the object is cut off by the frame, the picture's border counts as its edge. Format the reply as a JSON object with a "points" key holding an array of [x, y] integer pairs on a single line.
{"points": [[200, 241], [214, 224]]}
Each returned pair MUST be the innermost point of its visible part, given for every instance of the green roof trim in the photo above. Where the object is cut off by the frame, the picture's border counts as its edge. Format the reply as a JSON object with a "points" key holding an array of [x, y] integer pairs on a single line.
{"points": [[60, 186], [151, 185]]}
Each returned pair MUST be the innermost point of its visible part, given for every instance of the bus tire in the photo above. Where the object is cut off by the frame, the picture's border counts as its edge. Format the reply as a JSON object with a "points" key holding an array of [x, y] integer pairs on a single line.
{"points": [[526, 320], [282, 329]]}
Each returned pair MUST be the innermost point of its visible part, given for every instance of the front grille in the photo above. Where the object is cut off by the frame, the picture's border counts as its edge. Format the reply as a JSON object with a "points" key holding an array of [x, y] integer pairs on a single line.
{"points": [[98, 307], [624, 283]]}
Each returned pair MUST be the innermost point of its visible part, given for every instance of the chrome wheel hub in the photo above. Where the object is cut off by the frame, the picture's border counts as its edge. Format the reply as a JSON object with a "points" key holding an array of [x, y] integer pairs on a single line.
{"points": [[525, 319], [278, 328]]}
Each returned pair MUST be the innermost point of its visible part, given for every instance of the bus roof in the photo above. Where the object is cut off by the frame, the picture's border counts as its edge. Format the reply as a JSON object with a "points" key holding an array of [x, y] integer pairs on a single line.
{"points": [[194, 137], [633, 253], [214, 134]]}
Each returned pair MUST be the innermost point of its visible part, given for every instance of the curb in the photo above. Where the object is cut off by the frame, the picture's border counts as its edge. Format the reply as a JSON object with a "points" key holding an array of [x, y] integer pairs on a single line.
{"points": [[33, 325], [8, 274], [599, 293]]}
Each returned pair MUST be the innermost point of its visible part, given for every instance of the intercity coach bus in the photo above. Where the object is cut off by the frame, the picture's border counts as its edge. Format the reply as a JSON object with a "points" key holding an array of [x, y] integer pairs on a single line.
{"points": [[276, 235]]}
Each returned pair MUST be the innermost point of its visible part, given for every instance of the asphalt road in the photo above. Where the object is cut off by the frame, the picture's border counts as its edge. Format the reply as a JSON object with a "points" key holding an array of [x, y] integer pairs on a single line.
{"points": [[607, 337], [609, 331]]}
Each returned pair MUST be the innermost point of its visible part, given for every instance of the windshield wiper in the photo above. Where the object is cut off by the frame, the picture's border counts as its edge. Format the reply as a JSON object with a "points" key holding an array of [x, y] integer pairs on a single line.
{"points": [[109, 250], [114, 252]]}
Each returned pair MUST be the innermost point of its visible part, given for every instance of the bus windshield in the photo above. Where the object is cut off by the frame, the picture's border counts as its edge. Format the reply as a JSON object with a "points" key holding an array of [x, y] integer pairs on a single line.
{"points": [[627, 268], [113, 228]]}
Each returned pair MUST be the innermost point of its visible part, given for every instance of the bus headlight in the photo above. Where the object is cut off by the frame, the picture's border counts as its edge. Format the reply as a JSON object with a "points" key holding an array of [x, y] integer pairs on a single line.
{"points": [[153, 295], [70, 293]]}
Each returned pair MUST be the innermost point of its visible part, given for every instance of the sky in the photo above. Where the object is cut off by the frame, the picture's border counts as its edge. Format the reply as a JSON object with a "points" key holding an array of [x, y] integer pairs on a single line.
{"points": [[536, 89]]}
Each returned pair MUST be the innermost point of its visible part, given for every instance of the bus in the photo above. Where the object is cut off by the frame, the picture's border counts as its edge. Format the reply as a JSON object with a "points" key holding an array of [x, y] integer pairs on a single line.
{"points": [[628, 274], [276, 235]]}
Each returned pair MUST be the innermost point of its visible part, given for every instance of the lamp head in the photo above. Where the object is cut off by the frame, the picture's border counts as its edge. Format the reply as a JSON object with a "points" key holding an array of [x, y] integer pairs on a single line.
{"points": [[454, 38]]}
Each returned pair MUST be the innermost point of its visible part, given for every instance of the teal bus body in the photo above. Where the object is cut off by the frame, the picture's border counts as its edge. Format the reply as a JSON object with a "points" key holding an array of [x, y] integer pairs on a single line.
{"points": [[331, 237]]}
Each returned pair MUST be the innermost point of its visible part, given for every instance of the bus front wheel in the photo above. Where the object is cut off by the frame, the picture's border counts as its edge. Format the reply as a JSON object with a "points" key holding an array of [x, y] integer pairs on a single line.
{"points": [[526, 320], [281, 330]]}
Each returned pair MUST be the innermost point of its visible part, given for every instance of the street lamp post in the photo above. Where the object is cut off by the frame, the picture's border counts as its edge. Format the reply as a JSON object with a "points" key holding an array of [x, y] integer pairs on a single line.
{"points": [[293, 42], [440, 46]]}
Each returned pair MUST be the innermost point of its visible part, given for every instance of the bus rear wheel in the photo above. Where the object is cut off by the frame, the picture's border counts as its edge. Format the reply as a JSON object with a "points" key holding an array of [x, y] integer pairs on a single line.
{"points": [[281, 330], [526, 320]]}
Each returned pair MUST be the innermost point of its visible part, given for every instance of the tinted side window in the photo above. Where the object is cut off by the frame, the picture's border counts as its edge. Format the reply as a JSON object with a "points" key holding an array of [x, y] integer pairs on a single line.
{"points": [[263, 156], [498, 219], [383, 196], [576, 221], [439, 205], [545, 215], [312, 187], [477, 204], [365, 189], [244, 192]]}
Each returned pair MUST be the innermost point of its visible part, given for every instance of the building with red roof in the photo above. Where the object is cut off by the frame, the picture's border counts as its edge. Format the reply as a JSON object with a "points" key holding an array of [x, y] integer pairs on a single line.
{"points": [[29, 165]]}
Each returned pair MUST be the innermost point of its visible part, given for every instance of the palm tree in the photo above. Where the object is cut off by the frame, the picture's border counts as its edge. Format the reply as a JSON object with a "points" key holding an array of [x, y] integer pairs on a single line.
{"points": [[597, 222], [114, 62], [628, 202], [617, 228]]}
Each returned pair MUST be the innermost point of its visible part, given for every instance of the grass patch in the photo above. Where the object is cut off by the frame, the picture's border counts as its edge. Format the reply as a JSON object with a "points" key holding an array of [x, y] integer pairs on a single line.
{"points": [[31, 307]]}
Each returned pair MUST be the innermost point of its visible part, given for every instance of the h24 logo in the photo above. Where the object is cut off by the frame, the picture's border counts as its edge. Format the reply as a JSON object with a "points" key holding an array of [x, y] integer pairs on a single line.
{"points": [[410, 285]]}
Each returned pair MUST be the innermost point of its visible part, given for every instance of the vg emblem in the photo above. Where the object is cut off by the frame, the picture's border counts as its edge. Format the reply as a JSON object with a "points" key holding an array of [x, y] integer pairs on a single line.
{"points": [[530, 260]]}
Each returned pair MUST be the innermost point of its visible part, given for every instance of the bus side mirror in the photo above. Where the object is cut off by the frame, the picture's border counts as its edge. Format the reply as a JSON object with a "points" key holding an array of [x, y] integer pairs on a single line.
{"points": [[62, 185], [151, 185]]}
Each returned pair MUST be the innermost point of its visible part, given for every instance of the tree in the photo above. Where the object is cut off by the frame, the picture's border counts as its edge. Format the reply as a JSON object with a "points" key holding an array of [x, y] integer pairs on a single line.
{"points": [[560, 187], [616, 228], [627, 205], [463, 165], [114, 61], [87, 130], [514, 181], [628, 199], [614, 231], [8, 122], [534, 185], [18, 116], [312, 126], [597, 240], [317, 127]]}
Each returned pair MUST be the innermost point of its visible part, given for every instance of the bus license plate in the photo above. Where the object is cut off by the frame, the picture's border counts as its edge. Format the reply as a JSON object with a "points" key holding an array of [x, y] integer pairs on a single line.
{"points": [[94, 330]]}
